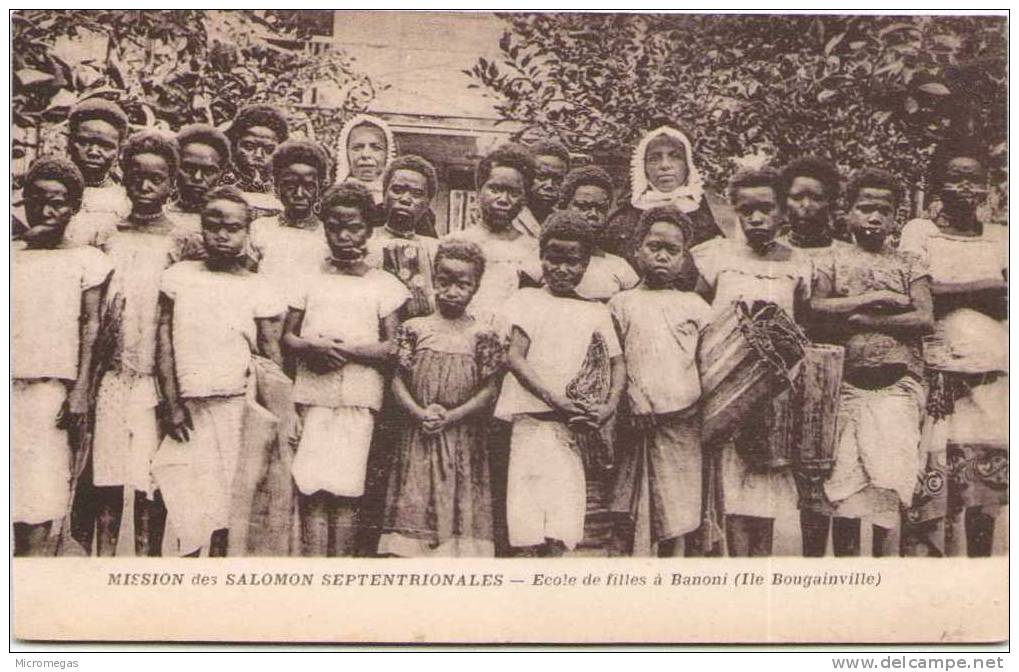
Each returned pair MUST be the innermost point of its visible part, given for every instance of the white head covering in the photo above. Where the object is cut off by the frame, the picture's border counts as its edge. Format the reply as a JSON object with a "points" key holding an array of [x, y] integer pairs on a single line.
{"points": [[686, 198], [342, 162]]}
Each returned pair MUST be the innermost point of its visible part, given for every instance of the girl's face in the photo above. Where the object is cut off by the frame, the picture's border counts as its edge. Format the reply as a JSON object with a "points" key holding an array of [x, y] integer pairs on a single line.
{"points": [[346, 232], [757, 208], [200, 170], [665, 163], [254, 148], [406, 198], [807, 205], [455, 282], [871, 218], [502, 196], [661, 254], [548, 179], [298, 189], [48, 208], [224, 229], [148, 181], [965, 185], [93, 148], [593, 203], [563, 264], [366, 152]]}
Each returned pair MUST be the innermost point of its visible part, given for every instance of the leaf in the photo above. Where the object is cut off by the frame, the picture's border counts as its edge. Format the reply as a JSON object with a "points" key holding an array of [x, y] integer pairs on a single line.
{"points": [[935, 89], [911, 105], [832, 43], [883, 116], [950, 41], [30, 77], [826, 95], [895, 67], [895, 27], [857, 44]]}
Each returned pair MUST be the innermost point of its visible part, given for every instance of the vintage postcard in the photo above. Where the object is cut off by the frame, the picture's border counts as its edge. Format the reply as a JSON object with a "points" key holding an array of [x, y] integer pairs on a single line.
{"points": [[469, 327]]}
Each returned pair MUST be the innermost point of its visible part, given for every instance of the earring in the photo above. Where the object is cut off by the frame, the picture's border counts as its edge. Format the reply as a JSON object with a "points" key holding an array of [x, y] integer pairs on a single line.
{"points": [[317, 208]]}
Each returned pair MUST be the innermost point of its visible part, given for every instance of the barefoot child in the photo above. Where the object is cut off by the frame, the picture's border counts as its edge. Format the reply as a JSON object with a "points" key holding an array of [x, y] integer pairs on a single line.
{"points": [[126, 429], [213, 314], [340, 327], [439, 500], [659, 482], [760, 269], [559, 343], [881, 298], [57, 293]]}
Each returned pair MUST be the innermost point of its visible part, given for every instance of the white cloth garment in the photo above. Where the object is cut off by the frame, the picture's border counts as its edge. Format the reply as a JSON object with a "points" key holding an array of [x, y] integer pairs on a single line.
{"points": [[343, 163], [40, 454], [644, 196], [332, 451], [196, 476], [126, 431], [546, 494], [878, 440]]}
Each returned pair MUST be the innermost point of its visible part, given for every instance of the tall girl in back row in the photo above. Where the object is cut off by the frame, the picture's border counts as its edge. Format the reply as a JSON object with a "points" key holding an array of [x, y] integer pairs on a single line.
{"points": [[967, 433]]}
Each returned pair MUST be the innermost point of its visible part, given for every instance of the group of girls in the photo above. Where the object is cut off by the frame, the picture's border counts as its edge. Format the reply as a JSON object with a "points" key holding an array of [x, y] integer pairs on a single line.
{"points": [[527, 386]]}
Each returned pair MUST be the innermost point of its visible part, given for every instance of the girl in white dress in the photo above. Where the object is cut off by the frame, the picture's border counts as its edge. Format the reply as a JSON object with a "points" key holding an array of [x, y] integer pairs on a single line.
{"points": [[340, 328]]}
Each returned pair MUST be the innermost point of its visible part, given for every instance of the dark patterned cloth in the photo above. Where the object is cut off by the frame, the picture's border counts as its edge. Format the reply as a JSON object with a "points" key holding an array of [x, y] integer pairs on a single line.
{"points": [[256, 183]]}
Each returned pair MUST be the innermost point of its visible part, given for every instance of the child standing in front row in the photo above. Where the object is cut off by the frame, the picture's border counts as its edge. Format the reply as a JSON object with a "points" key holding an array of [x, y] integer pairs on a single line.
{"points": [[340, 328], [439, 499], [760, 501], [212, 315], [57, 293], [659, 482], [559, 343]]}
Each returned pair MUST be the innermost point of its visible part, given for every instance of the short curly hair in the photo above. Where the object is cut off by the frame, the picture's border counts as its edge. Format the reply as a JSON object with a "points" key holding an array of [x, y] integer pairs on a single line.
{"points": [[229, 192], [59, 170], [872, 178], [302, 151], [509, 155], [585, 176], [258, 115], [765, 176], [566, 225], [822, 170], [151, 141], [351, 194], [414, 163], [204, 134], [955, 148], [461, 250], [98, 108], [548, 147], [665, 213]]}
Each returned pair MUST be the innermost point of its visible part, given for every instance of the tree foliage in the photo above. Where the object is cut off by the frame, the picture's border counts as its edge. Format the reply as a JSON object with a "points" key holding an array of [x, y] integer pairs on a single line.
{"points": [[172, 67], [860, 90]]}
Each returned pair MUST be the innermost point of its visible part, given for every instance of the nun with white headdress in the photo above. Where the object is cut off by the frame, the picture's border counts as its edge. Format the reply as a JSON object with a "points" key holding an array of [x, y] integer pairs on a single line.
{"points": [[365, 147], [663, 173]]}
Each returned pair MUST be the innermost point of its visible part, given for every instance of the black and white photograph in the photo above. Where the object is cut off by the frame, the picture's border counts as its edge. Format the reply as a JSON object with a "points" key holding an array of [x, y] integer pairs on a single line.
{"points": [[688, 290]]}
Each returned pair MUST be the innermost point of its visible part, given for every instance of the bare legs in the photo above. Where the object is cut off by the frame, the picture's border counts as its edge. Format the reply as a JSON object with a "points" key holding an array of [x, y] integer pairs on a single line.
{"points": [[748, 535], [329, 525], [30, 539]]}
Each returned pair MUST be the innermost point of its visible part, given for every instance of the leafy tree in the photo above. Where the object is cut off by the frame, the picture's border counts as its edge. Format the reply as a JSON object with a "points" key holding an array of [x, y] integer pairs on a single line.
{"points": [[173, 67], [860, 90]]}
